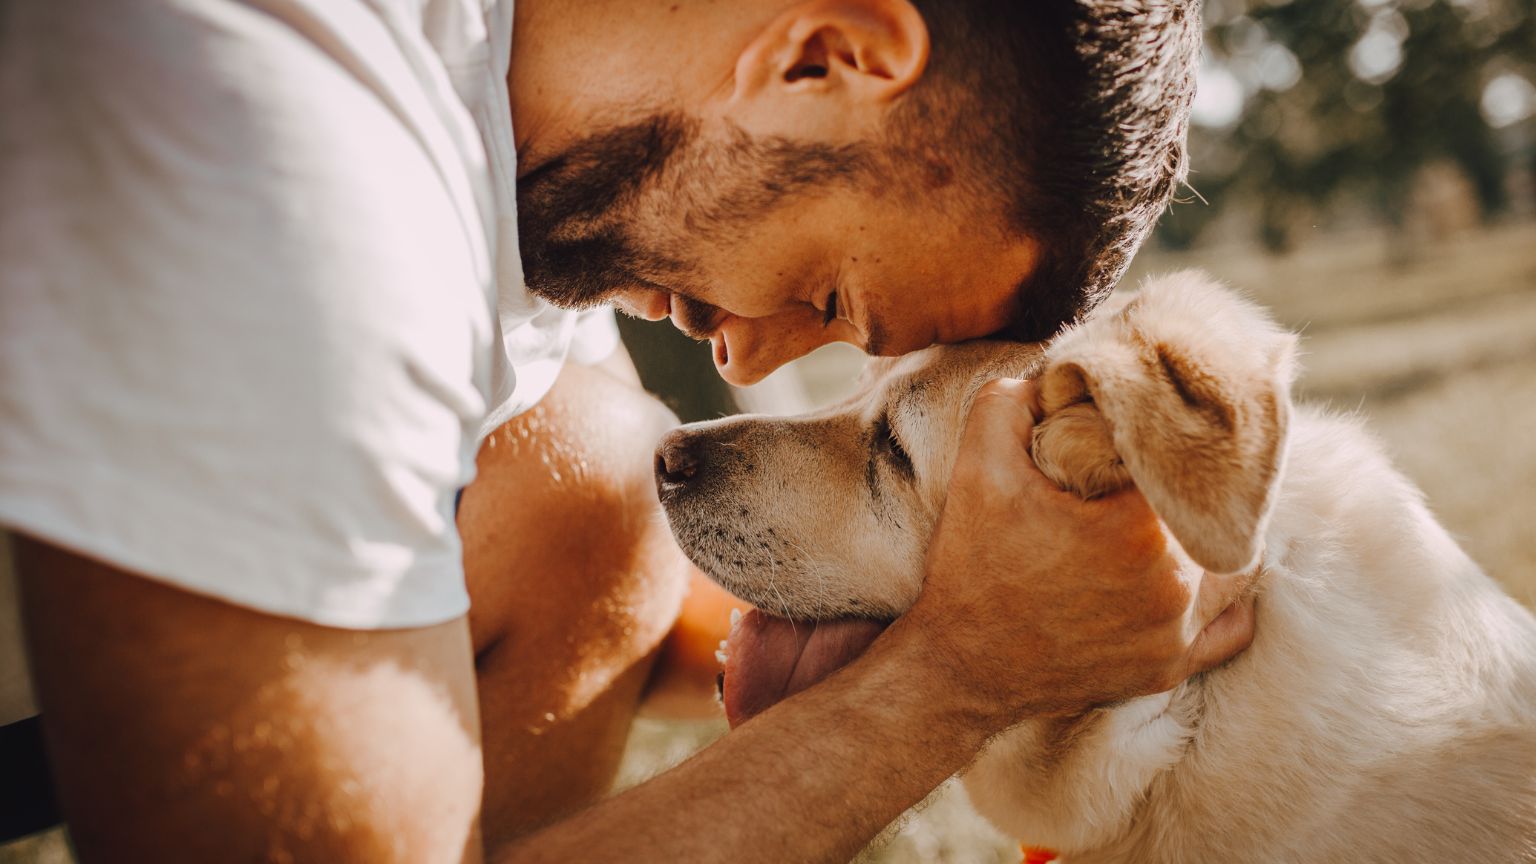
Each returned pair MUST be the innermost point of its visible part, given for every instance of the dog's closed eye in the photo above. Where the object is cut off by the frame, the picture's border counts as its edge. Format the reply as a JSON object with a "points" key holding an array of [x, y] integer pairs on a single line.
{"points": [[888, 444]]}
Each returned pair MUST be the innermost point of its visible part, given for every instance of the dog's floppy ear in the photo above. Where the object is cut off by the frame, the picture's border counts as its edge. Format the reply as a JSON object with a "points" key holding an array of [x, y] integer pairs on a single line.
{"points": [[1185, 392]]}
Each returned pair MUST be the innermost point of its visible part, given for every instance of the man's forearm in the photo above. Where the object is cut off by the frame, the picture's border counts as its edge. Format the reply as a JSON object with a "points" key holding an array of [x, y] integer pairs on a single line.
{"points": [[812, 779]]}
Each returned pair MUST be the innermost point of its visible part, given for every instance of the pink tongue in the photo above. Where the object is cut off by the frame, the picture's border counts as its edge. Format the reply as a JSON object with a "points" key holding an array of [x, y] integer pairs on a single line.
{"points": [[770, 658]]}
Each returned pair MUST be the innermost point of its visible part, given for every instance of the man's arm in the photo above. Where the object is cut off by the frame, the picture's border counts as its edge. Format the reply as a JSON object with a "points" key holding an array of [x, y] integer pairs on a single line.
{"points": [[186, 729], [812, 779]]}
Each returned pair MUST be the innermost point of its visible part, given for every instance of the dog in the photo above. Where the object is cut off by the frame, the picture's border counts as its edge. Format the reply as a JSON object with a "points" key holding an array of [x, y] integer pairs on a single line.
{"points": [[1386, 710]]}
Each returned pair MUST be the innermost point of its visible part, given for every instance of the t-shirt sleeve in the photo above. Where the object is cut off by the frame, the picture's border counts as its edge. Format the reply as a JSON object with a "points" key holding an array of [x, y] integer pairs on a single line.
{"points": [[246, 323], [596, 336]]}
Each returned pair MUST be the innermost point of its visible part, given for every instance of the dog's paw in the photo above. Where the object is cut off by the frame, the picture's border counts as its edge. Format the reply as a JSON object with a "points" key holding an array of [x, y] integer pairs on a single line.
{"points": [[1073, 447]]}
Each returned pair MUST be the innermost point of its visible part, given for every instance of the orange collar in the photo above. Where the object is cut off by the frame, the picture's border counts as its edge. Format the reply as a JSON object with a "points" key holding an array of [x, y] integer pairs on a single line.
{"points": [[1037, 855]]}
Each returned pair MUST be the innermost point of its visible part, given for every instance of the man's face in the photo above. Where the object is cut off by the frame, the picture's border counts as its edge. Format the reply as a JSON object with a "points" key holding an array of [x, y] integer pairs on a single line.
{"points": [[766, 248]]}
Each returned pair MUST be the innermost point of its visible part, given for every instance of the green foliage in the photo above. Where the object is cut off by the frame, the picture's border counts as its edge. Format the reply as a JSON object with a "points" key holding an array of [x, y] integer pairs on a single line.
{"points": [[1350, 99]]}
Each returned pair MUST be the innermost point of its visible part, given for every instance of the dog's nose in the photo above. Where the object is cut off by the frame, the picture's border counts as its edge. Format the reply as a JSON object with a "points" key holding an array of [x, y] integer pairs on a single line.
{"points": [[677, 461]]}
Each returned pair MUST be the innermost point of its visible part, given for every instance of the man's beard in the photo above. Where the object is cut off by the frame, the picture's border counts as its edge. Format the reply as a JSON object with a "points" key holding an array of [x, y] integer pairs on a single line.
{"points": [[580, 212], [572, 213]]}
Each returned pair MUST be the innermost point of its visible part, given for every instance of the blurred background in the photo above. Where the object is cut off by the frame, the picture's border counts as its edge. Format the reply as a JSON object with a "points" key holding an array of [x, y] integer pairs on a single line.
{"points": [[1368, 170]]}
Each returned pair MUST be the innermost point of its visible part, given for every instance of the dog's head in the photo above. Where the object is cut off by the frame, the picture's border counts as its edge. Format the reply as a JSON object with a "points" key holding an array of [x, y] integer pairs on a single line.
{"points": [[1182, 391], [828, 514]]}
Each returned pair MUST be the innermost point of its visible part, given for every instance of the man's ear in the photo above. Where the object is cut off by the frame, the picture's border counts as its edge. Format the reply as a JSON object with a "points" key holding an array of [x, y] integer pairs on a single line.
{"points": [[845, 59], [1185, 392]]}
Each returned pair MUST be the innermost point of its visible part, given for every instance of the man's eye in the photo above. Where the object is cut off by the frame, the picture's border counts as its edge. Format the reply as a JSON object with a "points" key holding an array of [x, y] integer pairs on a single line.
{"points": [[830, 314]]}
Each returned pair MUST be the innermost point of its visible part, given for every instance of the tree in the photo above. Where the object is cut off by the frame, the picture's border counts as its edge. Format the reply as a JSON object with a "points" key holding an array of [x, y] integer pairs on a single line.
{"points": [[1350, 98]]}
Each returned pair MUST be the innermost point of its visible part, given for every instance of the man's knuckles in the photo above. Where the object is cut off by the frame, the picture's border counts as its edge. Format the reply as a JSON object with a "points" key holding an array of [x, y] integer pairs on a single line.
{"points": [[1001, 409], [1015, 391]]}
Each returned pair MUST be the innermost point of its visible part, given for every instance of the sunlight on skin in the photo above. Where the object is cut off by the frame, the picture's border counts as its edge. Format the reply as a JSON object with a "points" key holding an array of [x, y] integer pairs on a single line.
{"points": [[261, 750], [284, 740]]}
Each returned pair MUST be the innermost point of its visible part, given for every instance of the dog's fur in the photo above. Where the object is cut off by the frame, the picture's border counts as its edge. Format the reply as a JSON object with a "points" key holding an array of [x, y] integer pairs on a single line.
{"points": [[1386, 711]]}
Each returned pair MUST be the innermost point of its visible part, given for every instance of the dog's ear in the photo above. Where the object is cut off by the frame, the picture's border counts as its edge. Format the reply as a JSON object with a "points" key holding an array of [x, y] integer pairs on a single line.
{"points": [[1184, 392]]}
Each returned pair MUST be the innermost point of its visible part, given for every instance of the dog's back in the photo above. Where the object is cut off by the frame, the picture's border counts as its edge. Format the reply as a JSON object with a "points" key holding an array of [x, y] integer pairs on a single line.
{"points": [[1386, 711]]}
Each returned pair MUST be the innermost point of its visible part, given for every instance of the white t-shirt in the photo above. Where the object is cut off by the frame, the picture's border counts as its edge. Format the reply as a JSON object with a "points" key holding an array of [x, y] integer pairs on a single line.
{"points": [[260, 293]]}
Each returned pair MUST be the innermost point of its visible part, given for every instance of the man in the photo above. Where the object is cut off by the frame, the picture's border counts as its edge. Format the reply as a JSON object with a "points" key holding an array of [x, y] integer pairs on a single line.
{"points": [[264, 302]]}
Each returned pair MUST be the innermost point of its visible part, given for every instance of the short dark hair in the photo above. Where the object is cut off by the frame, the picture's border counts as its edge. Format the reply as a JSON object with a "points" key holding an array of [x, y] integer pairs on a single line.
{"points": [[1076, 113]]}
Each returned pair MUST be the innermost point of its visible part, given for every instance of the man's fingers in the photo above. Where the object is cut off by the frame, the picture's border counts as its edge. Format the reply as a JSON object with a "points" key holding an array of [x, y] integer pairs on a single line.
{"points": [[994, 460], [1223, 638], [994, 451], [1031, 398], [1224, 613], [1003, 408], [1218, 592]]}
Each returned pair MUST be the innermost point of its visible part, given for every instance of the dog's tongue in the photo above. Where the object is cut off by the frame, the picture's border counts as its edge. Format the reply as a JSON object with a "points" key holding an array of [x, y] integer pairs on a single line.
{"points": [[769, 658]]}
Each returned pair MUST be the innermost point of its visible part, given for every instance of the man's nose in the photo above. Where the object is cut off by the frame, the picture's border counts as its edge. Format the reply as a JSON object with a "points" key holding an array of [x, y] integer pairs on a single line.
{"points": [[644, 303], [748, 349]]}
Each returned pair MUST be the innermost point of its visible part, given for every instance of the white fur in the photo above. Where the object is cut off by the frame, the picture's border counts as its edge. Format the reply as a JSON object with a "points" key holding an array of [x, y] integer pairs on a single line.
{"points": [[1386, 711]]}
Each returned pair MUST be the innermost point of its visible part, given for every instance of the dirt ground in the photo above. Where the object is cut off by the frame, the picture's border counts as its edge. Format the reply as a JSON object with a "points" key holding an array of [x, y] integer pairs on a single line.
{"points": [[1438, 354]]}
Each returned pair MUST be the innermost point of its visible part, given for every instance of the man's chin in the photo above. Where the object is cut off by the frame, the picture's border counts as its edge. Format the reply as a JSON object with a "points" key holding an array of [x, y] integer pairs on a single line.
{"points": [[770, 659]]}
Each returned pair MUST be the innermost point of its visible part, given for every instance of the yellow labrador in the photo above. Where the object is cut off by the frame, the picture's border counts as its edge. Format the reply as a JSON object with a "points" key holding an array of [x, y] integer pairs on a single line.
{"points": [[1386, 711]]}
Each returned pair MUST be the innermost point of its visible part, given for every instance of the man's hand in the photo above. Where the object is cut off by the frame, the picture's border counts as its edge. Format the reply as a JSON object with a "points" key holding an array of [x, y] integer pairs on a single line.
{"points": [[1045, 603]]}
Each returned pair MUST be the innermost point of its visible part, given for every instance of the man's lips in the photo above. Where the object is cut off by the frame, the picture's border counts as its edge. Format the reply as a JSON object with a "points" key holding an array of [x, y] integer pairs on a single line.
{"points": [[769, 659]]}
